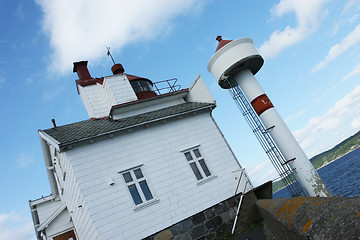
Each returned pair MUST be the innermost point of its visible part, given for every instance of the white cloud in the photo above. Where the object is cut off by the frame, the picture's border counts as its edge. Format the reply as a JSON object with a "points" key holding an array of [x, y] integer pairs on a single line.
{"points": [[355, 71], [261, 172], [258, 168], [355, 124], [25, 160], [15, 227], [322, 133], [49, 95], [290, 118], [351, 4], [19, 12], [335, 51], [2, 82], [81, 29], [307, 14]]}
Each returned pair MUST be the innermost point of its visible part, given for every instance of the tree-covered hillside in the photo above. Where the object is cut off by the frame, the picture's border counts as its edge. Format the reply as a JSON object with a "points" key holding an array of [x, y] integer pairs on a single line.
{"points": [[336, 152]]}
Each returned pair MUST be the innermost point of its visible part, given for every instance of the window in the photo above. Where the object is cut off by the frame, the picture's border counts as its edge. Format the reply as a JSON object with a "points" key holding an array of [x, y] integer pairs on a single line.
{"points": [[197, 163], [137, 185], [141, 85]]}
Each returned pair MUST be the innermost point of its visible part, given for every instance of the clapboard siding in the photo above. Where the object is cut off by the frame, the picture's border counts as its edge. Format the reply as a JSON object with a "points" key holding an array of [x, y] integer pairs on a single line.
{"points": [[158, 149], [76, 204], [60, 224], [46, 209]]}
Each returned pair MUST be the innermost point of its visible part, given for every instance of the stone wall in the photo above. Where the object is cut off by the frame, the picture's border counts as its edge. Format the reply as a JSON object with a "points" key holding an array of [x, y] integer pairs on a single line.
{"points": [[217, 221], [311, 218]]}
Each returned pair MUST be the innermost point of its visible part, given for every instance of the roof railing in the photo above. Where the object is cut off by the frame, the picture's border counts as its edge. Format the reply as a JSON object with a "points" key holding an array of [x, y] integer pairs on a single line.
{"points": [[166, 86]]}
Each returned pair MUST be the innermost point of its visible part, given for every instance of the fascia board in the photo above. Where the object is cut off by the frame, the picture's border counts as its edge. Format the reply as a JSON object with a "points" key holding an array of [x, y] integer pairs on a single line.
{"points": [[49, 139], [48, 164]]}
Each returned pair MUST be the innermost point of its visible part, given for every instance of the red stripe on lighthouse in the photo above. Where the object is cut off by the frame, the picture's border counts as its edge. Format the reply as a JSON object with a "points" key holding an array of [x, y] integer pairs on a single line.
{"points": [[261, 104]]}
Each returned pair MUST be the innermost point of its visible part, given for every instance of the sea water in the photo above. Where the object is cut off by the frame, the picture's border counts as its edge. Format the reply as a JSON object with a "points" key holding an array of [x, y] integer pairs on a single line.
{"points": [[342, 177]]}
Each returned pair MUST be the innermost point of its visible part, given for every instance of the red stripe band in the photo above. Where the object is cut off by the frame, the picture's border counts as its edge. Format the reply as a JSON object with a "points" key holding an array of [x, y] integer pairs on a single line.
{"points": [[261, 104]]}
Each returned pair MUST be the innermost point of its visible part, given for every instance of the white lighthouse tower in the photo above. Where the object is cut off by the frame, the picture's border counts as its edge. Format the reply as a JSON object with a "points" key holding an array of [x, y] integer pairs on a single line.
{"points": [[233, 66]]}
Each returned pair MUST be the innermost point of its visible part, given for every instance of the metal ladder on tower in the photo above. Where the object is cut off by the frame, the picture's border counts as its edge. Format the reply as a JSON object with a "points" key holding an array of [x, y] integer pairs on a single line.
{"points": [[281, 165]]}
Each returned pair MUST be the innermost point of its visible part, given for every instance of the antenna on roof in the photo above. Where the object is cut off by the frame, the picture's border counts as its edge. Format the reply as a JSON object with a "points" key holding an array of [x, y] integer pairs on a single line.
{"points": [[109, 54]]}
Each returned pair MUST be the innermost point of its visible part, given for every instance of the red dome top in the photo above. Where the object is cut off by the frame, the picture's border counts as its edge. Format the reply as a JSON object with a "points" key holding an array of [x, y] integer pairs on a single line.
{"points": [[221, 42]]}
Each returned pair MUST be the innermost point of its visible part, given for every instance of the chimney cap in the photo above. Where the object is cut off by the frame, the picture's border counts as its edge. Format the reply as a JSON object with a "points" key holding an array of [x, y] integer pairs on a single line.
{"points": [[76, 64]]}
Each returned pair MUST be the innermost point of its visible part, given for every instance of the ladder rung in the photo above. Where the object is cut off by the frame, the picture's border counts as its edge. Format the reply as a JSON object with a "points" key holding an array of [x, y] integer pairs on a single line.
{"points": [[289, 161], [266, 130]]}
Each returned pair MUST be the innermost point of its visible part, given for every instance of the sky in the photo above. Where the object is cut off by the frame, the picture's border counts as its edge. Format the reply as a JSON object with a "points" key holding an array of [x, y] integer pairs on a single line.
{"points": [[311, 73]]}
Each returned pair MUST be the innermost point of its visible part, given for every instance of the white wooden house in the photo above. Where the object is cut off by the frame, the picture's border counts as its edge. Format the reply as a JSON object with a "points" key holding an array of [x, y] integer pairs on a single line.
{"points": [[143, 162]]}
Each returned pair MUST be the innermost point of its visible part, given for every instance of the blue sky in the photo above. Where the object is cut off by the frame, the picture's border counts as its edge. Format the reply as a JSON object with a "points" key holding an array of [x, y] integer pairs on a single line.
{"points": [[311, 73]]}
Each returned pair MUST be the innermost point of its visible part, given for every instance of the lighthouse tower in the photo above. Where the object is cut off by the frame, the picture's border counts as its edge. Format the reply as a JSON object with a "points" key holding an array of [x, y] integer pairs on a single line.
{"points": [[234, 65], [149, 163]]}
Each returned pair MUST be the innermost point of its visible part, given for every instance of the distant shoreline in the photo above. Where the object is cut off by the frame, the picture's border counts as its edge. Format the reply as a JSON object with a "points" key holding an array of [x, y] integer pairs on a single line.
{"points": [[325, 164]]}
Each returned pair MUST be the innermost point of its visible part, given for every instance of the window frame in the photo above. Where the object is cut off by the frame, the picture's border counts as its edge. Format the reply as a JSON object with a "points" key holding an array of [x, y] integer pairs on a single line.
{"points": [[145, 201], [196, 165]]}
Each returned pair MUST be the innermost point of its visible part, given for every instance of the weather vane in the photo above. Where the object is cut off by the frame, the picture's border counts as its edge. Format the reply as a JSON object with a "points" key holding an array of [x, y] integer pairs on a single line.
{"points": [[109, 54]]}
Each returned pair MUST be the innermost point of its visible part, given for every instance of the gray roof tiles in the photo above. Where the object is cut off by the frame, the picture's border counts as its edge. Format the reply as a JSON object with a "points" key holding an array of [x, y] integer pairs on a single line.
{"points": [[79, 131]]}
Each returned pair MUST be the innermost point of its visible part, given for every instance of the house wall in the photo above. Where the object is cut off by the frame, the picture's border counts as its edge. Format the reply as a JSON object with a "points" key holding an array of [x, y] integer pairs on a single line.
{"points": [[73, 198], [157, 148]]}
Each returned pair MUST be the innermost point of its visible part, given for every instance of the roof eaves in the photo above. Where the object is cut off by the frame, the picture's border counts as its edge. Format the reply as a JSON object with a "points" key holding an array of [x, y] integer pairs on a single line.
{"points": [[65, 145], [49, 139]]}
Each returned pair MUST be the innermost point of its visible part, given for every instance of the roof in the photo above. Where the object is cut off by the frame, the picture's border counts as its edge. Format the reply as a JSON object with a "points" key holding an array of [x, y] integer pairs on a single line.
{"points": [[89, 129], [155, 98], [221, 42]]}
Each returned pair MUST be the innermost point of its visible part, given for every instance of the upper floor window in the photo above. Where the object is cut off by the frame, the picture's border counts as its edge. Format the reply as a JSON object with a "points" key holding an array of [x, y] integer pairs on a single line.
{"points": [[138, 186], [197, 163]]}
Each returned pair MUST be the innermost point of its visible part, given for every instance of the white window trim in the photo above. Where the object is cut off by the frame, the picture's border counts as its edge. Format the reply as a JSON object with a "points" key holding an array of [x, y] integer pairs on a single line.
{"points": [[205, 178], [145, 203], [131, 168]]}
